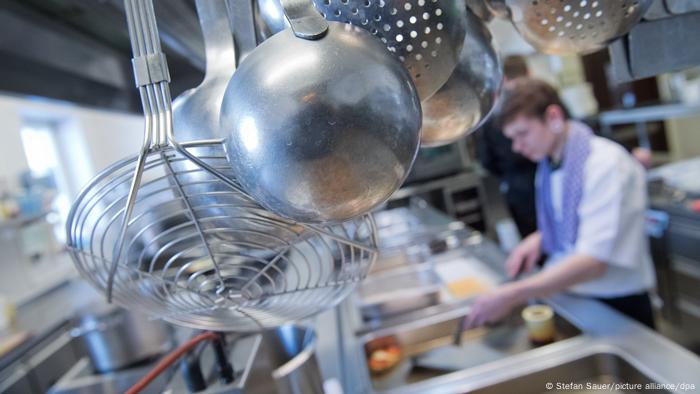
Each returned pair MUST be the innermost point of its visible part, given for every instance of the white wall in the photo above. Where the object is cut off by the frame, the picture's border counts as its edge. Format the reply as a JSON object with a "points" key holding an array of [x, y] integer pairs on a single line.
{"points": [[89, 139]]}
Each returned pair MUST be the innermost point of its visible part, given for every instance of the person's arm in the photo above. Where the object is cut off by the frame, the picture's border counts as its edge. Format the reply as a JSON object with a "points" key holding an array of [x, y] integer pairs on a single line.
{"points": [[599, 226], [575, 269], [495, 305]]}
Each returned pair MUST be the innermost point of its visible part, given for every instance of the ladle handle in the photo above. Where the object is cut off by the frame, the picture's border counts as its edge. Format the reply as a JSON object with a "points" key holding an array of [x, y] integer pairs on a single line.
{"points": [[216, 31], [480, 9], [305, 20], [242, 18], [498, 8]]}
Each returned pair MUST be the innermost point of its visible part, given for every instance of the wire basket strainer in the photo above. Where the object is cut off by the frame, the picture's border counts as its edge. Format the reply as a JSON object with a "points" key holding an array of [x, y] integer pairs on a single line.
{"points": [[572, 26], [171, 233]]}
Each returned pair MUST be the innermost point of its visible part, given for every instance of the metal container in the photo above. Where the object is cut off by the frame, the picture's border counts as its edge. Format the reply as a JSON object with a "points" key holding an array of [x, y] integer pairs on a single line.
{"points": [[118, 338], [287, 355], [399, 291]]}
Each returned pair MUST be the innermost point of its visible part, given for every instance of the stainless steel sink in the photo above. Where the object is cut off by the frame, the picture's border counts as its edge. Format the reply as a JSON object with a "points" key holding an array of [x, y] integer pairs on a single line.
{"points": [[593, 373], [428, 352]]}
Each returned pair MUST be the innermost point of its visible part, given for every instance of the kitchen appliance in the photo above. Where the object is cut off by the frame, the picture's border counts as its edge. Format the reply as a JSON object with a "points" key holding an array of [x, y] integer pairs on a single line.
{"points": [[560, 27], [240, 354], [673, 226], [265, 272], [281, 360], [468, 96], [116, 338], [425, 35], [321, 129]]}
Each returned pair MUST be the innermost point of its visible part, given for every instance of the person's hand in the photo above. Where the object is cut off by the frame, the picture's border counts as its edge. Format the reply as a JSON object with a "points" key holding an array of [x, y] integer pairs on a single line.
{"points": [[643, 156], [524, 257], [491, 307]]}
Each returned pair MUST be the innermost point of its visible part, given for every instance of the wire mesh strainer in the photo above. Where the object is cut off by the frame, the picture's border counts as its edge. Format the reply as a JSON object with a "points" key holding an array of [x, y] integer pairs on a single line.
{"points": [[196, 250], [572, 26], [426, 35]]}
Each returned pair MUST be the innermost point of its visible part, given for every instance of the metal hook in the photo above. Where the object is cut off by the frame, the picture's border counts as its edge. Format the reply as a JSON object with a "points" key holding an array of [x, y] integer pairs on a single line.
{"points": [[304, 19]]}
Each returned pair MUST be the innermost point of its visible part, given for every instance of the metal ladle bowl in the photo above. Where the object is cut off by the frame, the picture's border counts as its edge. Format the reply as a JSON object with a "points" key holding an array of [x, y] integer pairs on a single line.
{"points": [[196, 111], [321, 130], [470, 93]]}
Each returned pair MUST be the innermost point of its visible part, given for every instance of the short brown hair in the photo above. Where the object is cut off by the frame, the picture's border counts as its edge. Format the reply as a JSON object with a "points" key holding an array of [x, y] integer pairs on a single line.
{"points": [[529, 97]]}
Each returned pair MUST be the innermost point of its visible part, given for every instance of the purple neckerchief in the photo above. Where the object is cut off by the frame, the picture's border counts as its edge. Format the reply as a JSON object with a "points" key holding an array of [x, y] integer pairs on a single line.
{"points": [[558, 236]]}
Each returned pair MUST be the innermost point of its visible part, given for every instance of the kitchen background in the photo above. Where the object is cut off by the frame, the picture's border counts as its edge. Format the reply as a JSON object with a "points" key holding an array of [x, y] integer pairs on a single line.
{"points": [[68, 109]]}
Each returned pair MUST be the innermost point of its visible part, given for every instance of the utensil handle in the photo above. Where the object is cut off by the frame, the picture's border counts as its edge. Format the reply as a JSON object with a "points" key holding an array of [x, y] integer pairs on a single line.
{"points": [[480, 9], [216, 32], [498, 8], [304, 19], [243, 25], [150, 66], [152, 79]]}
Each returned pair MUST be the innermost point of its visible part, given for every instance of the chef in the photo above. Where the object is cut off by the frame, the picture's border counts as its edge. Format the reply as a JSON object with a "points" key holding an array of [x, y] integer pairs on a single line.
{"points": [[590, 203]]}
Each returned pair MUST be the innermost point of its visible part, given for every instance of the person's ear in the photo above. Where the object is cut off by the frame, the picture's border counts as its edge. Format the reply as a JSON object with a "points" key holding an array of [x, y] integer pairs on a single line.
{"points": [[554, 118]]}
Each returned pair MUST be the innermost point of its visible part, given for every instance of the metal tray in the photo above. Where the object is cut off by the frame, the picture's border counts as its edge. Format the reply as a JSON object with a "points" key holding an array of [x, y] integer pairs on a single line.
{"points": [[399, 291]]}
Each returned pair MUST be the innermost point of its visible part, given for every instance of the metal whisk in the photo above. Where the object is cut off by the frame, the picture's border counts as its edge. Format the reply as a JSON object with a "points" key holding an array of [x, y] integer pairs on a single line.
{"points": [[184, 243]]}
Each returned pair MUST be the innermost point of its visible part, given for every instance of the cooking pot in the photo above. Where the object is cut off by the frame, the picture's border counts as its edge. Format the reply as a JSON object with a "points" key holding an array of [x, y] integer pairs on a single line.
{"points": [[286, 363]]}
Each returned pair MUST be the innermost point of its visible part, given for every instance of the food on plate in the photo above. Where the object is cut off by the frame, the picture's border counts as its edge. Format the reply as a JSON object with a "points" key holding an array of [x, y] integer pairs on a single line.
{"points": [[467, 287], [383, 354], [382, 360]]}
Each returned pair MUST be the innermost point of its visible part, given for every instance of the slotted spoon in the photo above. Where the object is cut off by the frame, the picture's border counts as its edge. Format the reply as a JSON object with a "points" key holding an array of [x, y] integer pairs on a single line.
{"points": [[426, 35], [468, 97], [571, 26]]}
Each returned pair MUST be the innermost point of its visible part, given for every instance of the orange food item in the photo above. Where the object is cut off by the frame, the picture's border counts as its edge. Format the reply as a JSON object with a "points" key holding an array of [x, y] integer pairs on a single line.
{"points": [[467, 287], [382, 360]]}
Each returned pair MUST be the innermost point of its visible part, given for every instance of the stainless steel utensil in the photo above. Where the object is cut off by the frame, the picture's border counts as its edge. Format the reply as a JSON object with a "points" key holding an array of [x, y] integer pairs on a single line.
{"points": [[116, 338], [426, 35], [321, 129], [196, 111], [571, 26], [468, 97], [264, 272]]}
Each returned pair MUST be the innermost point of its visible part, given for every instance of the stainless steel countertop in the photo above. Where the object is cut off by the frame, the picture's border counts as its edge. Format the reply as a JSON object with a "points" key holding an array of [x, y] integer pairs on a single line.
{"points": [[604, 331]]}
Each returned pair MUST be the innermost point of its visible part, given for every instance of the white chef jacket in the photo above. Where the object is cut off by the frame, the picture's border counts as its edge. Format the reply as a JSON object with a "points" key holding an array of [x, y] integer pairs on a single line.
{"points": [[611, 221]]}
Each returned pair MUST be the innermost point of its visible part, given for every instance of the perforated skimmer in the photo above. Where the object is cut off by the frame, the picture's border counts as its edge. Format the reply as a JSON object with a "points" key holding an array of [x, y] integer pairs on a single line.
{"points": [[171, 233], [426, 35], [572, 26]]}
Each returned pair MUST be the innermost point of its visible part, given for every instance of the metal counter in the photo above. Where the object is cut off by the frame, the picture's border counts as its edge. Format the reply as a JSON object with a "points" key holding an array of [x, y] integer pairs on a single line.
{"points": [[609, 342]]}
